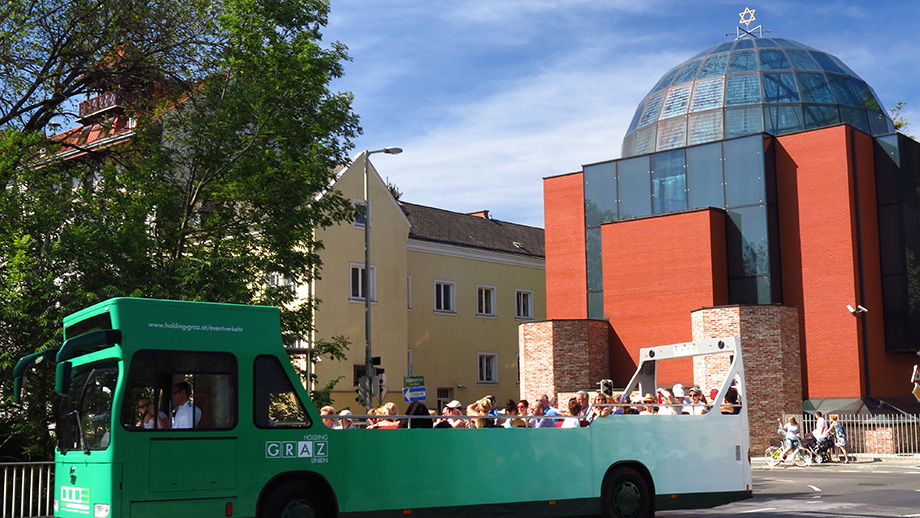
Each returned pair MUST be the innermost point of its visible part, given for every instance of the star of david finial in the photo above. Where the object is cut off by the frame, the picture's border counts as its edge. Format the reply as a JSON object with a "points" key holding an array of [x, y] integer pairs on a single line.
{"points": [[747, 12]]}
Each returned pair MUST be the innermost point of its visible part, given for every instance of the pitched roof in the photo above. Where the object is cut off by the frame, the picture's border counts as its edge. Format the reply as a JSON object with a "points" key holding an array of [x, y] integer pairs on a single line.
{"points": [[442, 226]]}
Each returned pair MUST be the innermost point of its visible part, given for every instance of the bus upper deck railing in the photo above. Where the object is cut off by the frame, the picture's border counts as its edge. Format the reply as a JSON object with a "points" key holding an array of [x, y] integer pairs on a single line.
{"points": [[27, 489]]}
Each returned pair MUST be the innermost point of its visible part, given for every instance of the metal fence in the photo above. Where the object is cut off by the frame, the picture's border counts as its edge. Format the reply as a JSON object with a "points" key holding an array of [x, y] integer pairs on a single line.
{"points": [[881, 436], [27, 489]]}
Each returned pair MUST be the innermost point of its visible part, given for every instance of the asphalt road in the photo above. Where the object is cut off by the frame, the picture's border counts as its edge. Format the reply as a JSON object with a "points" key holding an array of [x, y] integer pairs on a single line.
{"points": [[859, 489]]}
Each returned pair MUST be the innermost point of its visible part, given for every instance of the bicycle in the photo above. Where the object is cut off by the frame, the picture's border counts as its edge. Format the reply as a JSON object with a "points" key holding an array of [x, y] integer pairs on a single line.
{"points": [[801, 456]]}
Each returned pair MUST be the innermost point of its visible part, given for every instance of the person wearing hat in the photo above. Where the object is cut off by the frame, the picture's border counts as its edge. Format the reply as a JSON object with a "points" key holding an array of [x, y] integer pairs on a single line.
{"points": [[344, 421], [649, 401], [453, 409], [697, 402]]}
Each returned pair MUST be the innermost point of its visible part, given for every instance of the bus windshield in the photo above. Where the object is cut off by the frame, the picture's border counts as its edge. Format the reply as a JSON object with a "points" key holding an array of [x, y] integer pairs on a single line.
{"points": [[85, 417]]}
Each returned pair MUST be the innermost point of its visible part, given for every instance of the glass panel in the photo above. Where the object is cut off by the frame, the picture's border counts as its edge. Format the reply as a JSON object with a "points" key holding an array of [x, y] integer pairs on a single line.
{"points": [[742, 61], [765, 42], [677, 100], [722, 47], [652, 109], [704, 176], [593, 261], [665, 81], [773, 59], [846, 70], [714, 65], [275, 402], [742, 89], [748, 248], [645, 139], [844, 90], [866, 94], [879, 123], [779, 87], [634, 187], [855, 117], [636, 116], [826, 62], [629, 145], [707, 94], [744, 44], [781, 120], [802, 60], [84, 419], [669, 182], [704, 127], [744, 171], [749, 290], [688, 72], [600, 193], [672, 133], [814, 88], [820, 116], [743, 121], [596, 306]]}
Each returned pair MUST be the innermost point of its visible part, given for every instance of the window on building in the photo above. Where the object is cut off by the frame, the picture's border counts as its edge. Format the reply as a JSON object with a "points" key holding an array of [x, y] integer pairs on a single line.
{"points": [[485, 297], [517, 368], [360, 213], [445, 396], [524, 299], [488, 368], [358, 284], [444, 297]]}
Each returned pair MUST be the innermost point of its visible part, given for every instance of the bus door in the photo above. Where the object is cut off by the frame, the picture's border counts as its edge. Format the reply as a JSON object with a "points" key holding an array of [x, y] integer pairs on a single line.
{"points": [[180, 414]]}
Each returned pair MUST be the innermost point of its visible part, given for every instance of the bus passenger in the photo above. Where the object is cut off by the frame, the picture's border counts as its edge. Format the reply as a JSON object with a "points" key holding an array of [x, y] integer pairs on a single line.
{"points": [[599, 409], [574, 411], [326, 413], [151, 418], [697, 402], [585, 405], [731, 405], [538, 410], [454, 410], [668, 403], [184, 408], [385, 411], [521, 409], [344, 421], [649, 401]]}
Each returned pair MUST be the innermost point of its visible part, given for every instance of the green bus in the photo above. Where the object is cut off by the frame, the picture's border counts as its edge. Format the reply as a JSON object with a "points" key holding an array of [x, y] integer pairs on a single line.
{"points": [[175, 409]]}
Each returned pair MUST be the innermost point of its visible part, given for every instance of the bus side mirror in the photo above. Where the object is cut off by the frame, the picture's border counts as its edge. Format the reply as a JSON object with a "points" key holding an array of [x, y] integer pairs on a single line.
{"points": [[62, 378], [17, 390]]}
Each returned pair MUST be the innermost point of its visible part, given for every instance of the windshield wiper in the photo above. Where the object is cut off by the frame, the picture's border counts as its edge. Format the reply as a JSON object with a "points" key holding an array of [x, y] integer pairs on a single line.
{"points": [[76, 411]]}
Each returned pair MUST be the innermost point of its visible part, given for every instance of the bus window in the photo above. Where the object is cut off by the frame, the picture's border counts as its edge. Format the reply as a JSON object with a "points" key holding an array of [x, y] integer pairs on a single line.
{"points": [[85, 418], [208, 381], [276, 404]]}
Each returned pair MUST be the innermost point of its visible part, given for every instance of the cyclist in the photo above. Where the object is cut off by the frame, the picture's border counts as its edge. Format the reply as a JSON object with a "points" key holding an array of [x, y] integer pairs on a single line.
{"points": [[790, 433]]}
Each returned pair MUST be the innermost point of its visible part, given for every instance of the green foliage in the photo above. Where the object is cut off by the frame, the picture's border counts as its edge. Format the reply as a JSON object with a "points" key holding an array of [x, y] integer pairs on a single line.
{"points": [[901, 123], [219, 190]]}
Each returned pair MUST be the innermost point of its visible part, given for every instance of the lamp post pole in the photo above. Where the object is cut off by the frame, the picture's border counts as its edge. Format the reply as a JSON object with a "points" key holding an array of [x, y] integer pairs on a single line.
{"points": [[368, 356]]}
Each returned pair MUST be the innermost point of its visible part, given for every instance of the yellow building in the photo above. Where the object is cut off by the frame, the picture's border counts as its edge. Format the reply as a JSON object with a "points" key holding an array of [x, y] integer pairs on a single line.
{"points": [[448, 291]]}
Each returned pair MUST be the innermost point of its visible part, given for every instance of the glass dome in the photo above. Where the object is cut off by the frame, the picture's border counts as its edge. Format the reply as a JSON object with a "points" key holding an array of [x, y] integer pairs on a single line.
{"points": [[748, 86]]}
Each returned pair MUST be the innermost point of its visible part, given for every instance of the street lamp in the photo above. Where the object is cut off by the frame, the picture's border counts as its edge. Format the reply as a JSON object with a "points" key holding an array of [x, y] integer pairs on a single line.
{"points": [[368, 357]]}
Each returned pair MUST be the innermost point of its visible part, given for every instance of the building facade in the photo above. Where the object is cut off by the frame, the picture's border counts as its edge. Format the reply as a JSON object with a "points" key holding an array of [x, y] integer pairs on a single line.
{"points": [[762, 188], [448, 291]]}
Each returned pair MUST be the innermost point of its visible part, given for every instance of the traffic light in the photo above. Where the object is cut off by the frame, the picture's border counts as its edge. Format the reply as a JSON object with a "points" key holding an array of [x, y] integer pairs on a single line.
{"points": [[606, 387], [376, 376], [364, 392]]}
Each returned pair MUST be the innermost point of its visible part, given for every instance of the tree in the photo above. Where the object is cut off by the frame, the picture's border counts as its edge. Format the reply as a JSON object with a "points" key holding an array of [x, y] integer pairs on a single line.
{"points": [[217, 194], [901, 124]]}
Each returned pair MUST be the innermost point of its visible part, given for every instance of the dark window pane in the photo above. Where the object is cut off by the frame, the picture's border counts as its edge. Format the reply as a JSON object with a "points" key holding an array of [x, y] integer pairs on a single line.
{"points": [[773, 59], [879, 123], [742, 89], [779, 87], [866, 95], [765, 42], [744, 171], [596, 305], [826, 62], [688, 72], [814, 87], [744, 44], [748, 247], [722, 47], [742, 61], [714, 66], [855, 117], [593, 261], [781, 120], [634, 187], [820, 116], [275, 402], [743, 121], [704, 127], [669, 182], [704, 176], [844, 90], [707, 94], [600, 193], [802, 60]]}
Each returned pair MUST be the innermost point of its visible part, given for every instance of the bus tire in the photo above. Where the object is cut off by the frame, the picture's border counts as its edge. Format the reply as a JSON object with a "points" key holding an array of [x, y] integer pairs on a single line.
{"points": [[293, 499], [626, 494]]}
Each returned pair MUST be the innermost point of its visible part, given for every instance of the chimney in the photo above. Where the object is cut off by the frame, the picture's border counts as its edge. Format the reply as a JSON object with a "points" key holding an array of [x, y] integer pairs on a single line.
{"points": [[484, 214]]}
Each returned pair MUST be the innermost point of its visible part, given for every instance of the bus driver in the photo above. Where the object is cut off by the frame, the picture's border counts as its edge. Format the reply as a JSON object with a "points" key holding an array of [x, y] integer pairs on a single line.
{"points": [[182, 415]]}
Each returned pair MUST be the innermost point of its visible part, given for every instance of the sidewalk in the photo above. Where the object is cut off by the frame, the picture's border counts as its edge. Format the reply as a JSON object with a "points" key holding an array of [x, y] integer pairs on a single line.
{"points": [[860, 459]]}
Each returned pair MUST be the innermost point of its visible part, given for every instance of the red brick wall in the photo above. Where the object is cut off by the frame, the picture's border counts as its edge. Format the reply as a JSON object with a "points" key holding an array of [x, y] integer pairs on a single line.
{"points": [[656, 271], [562, 356], [816, 201], [564, 234], [770, 350]]}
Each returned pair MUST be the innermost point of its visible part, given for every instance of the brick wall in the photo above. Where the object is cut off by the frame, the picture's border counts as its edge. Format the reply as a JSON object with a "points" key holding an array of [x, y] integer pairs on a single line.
{"points": [[560, 357], [772, 361]]}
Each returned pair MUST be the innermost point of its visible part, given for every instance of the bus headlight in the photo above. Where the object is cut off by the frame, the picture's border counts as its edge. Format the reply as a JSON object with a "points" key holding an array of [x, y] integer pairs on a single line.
{"points": [[100, 510], [55, 505]]}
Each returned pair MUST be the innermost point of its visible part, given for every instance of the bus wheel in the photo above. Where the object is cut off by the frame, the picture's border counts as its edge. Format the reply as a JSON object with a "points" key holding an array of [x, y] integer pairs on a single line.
{"points": [[292, 500], [626, 495]]}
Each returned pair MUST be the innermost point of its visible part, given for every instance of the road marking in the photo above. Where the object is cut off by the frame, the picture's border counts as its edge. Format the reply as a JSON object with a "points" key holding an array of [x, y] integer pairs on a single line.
{"points": [[882, 471], [909, 515], [758, 510], [815, 488]]}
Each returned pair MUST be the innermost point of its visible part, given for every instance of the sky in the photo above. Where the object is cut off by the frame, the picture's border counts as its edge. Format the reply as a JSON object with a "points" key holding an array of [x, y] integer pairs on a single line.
{"points": [[488, 97]]}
